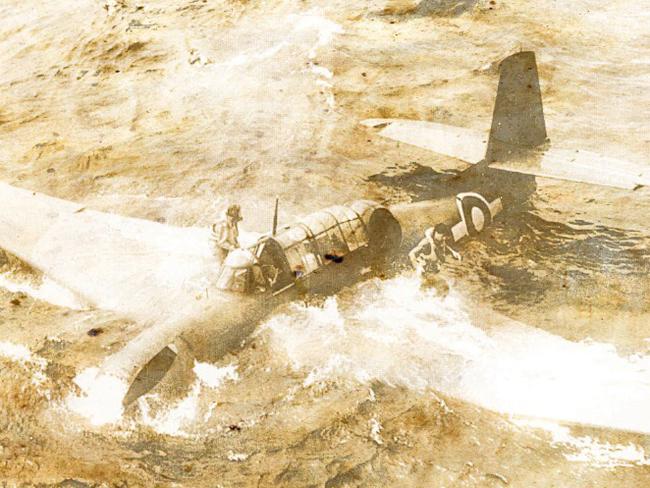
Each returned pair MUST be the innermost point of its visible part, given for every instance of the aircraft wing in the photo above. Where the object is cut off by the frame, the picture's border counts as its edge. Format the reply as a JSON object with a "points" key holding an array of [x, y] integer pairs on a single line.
{"points": [[470, 146], [581, 166], [457, 142], [115, 263], [157, 275]]}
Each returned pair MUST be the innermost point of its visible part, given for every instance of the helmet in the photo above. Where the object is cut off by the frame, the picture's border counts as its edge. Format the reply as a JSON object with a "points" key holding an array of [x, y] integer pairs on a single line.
{"points": [[442, 229], [234, 211]]}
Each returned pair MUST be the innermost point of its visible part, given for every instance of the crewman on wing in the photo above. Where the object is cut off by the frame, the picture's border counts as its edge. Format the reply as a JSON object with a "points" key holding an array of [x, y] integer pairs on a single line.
{"points": [[437, 240], [225, 233]]}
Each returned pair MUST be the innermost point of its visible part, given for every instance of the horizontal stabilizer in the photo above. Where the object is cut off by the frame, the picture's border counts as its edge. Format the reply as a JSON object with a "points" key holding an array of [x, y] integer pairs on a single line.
{"points": [[457, 142], [580, 166]]}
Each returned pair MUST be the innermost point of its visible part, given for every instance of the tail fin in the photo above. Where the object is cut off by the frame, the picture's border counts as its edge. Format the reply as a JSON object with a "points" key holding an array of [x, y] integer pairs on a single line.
{"points": [[518, 118]]}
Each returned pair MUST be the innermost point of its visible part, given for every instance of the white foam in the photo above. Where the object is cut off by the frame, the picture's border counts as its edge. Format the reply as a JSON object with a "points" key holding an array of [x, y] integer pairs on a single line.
{"points": [[175, 419], [300, 26], [180, 417], [101, 397], [397, 335], [393, 332], [20, 354], [214, 376], [15, 352], [237, 457], [322, 71], [48, 291], [325, 29], [588, 450], [375, 431], [210, 411]]}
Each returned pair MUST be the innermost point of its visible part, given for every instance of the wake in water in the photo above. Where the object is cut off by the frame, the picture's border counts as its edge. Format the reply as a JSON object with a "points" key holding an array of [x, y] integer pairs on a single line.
{"points": [[526, 258], [387, 331], [392, 331]]}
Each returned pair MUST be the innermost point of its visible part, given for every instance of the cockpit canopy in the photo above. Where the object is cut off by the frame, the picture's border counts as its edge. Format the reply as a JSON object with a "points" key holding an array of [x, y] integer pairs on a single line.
{"points": [[318, 240], [322, 238]]}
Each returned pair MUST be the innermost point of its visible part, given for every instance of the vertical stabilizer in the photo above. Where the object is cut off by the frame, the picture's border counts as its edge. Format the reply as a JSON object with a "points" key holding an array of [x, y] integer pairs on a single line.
{"points": [[518, 118]]}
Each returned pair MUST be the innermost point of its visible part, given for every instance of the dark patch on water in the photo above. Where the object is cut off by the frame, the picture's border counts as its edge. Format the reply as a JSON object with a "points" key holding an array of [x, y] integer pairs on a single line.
{"points": [[523, 257], [430, 8], [447, 8], [581, 222], [597, 249], [418, 183], [71, 483], [516, 280]]}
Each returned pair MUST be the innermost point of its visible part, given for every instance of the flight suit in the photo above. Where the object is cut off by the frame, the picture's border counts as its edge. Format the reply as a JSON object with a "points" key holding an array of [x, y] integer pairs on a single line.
{"points": [[224, 237]]}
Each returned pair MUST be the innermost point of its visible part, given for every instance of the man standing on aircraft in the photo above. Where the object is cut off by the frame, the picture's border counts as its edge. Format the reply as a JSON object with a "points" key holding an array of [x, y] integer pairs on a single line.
{"points": [[437, 240], [225, 233]]}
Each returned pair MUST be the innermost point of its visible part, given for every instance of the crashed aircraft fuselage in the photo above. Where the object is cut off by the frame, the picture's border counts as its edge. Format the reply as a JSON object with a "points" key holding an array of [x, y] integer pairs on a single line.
{"points": [[149, 272], [320, 254]]}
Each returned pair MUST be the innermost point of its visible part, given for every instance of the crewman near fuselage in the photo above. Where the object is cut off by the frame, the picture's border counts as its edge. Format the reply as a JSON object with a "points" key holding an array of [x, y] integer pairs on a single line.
{"points": [[224, 235], [436, 239]]}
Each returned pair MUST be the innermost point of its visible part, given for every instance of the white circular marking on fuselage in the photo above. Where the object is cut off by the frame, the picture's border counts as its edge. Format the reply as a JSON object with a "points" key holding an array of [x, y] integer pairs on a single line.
{"points": [[478, 219]]}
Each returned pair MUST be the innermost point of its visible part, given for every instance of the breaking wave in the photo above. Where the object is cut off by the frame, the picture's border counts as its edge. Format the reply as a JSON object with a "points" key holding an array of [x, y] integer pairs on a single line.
{"points": [[394, 332], [48, 291]]}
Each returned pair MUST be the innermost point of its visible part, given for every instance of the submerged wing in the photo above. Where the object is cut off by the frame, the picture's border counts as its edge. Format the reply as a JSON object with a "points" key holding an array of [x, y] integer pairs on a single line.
{"points": [[457, 142]]}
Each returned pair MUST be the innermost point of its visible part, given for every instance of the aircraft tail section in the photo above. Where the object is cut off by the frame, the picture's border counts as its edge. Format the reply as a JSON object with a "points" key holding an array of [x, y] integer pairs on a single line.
{"points": [[517, 139], [517, 122], [518, 117]]}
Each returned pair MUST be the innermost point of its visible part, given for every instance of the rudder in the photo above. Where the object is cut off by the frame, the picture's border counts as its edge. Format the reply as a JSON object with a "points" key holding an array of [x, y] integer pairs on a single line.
{"points": [[518, 118]]}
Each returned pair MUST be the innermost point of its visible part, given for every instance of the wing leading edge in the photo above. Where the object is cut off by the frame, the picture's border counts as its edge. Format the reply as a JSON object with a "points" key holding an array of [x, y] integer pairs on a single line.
{"points": [[146, 271]]}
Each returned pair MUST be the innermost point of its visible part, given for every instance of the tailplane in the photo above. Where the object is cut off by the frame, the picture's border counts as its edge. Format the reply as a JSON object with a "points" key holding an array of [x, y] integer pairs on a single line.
{"points": [[517, 140]]}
